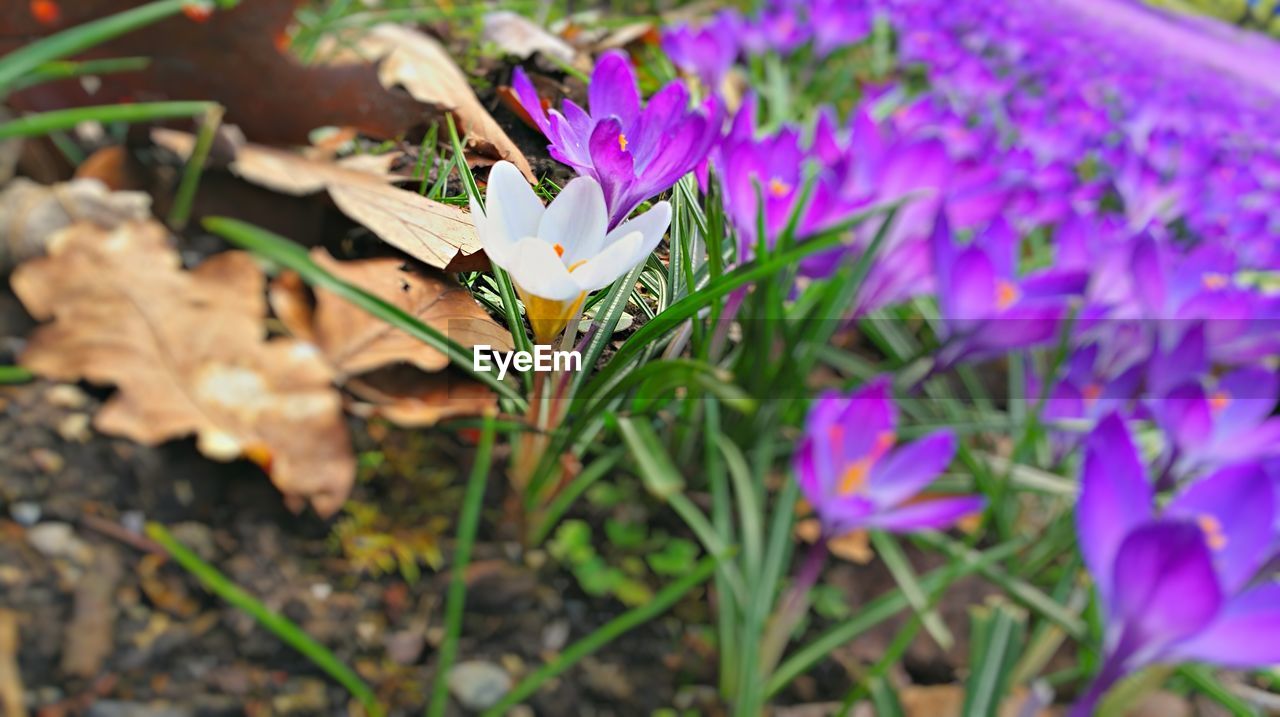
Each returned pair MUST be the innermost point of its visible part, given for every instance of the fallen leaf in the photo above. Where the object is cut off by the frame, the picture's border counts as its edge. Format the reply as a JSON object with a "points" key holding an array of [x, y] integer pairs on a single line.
{"points": [[519, 36], [393, 384], [238, 58], [423, 67], [354, 341], [437, 234], [412, 399], [188, 355], [31, 213]]}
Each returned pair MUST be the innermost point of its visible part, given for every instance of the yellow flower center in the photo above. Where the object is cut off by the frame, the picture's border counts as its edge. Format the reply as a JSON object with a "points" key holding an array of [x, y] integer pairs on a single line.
{"points": [[622, 142], [1006, 294], [855, 476], [1212, 531], [778, 188]]}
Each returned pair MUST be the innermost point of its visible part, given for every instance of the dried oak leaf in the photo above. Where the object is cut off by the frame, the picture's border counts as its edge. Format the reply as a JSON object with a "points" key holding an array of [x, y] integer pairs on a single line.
{"points": [[31, 213], [392, 363], [423, 67], [355, 341], [188, 353], [437, 234], [238, 58], [412, 399]]}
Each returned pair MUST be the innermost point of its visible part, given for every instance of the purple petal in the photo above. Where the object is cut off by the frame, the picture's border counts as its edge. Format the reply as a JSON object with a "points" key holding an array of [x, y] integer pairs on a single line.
{"points": [[910, 468], [612, 90], [1165, 587], [930, 514], [1235, 507], [529, 100], [1243, 635], [1115, 496], [614, 168]]}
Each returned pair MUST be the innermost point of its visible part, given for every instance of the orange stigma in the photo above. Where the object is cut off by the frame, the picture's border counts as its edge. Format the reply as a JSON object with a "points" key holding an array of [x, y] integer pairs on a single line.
{"points": [[1006, 294], [1219, 401], [778, 188], [1212, 531], [622, 142], [559, 249], [1215, 281], [1091, 393]]}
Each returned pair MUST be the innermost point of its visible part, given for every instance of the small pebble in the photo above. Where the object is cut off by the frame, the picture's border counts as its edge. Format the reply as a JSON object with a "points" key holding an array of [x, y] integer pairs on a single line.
{"points": [[58, 540], [25, 513], [478, 685]]}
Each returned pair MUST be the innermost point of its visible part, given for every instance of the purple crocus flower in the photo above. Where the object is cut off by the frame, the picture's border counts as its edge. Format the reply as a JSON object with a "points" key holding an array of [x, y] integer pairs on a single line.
{"points": [[986, 308], [1178, 584], [708, 50], [850, 472], [634, 152], [839, 23], [1228, 422]]}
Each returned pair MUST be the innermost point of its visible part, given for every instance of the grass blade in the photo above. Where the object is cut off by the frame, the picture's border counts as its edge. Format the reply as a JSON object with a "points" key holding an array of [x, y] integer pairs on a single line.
{"points": [[60, 120], [279, 625], [998, 636], [15, 374], [468, 522]]}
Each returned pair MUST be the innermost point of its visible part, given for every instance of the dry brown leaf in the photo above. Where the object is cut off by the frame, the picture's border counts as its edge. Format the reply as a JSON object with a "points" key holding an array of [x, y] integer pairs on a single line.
{"points": [[519, 36], [423, 67], [412, 399], [31, 213], [437, 234], [188, 354], [354, 341]]}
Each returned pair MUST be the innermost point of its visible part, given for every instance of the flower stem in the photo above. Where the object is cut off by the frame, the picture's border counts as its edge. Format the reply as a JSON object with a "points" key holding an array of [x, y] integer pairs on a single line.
{"points": [[794, 605]]}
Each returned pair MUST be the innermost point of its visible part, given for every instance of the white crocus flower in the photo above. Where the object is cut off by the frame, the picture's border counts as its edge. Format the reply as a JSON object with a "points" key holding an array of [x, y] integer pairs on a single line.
{"points": [[558, 254]]}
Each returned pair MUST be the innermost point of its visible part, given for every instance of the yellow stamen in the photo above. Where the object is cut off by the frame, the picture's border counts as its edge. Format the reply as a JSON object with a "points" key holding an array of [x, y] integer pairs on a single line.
{"points": [[622, 142], [1215, 281], [559, 248], [1219, 401], [1006, 294], [778, 188], [1212, 531]]}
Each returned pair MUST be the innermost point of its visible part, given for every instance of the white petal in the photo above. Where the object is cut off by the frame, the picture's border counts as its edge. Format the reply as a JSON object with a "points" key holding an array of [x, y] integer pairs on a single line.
{"points": [[576, 220], [652, 223], [539, 271], [493, 237], [617, 259], [511, 203]]}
